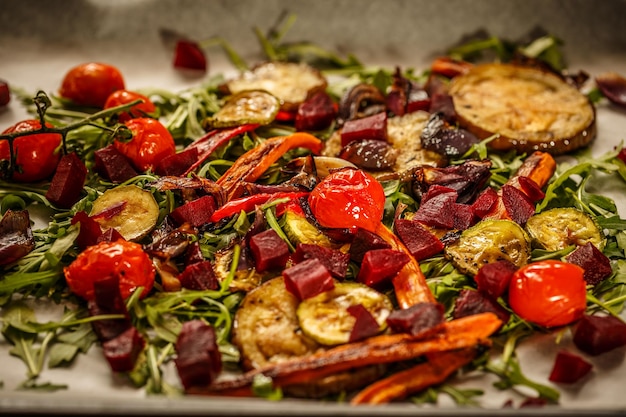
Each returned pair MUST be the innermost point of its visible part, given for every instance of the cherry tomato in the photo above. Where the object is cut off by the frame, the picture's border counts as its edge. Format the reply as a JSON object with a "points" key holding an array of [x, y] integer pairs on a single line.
{"points": [[91, 84], [548, 293], [124, 258], [37, 155], [348, 198], [151, 143], [5, 93], [120, 97]]}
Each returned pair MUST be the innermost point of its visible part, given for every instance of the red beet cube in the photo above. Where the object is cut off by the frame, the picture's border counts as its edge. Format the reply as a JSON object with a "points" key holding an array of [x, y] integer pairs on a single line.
{"points": [[178, 163], [380, 265], [196, 212], [108, 300], [89, 232], [364, 241], [193, 254], [485, 202], [597, 265], [334, 260], [569, 368], [418, 319], [493, 278], [189, 55], [531, 189], [112, 165], [198, 359], [199, 276], [122, 351], [67, 182], [365, 325], [308, 279], [370, 127], [517, 204], [463, 216], [420, 242], [316, 113], [437, 208], [269, 250], [471, 302], [598, 334]]}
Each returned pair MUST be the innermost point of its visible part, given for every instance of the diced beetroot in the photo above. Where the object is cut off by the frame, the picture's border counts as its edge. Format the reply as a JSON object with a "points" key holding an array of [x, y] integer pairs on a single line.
{"points": [[308, 279], [363, 241], [189, 55], [90, 230], [493, 278], [334, 260], [122, 351], [569, 368], [193, 254], [108, 300], [110, 212], [177, 164], [370, 127], [199, 276], [533, 402], [269, 250], [436, 190], [365, 325], [437, 207], [597, 265], [420, 242], [16, 236], [112, 165], [485, 202], [470, 302], [463, 216], [531, 189], [196, 212], [419, 319], [598, 334], [379, 265], [517, 204], [67, 182], [316, 113], [198, 359]]}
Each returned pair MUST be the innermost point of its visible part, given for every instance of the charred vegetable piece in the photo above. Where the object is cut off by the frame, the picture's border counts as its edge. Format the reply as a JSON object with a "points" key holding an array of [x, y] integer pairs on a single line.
{"points": [[67, 182], [307, 279], [365, 325], [370, 127], [417, 320], [326, 319], [300, 231], [333, 259], [380, 265], [245, 107], [493, 278], [112, 165], [420, 242], [370, 154], [405, 96], [613, 86], [199, 276], [558, 228], [198, 359], [189, 56], [196, 212], [597, 265], [360, 101], [364, 241], [599, 334], [549, 114], [470, 302], [489, 241], [569, 368], [269, 250], [122, 351], [16, 236], [316, 113], [138, 215], [439, 137]]}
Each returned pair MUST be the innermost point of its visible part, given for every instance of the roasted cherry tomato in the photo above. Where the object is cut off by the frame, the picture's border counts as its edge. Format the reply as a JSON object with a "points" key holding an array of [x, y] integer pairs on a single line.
{"points": [[126, 259], [91, 84], [151, 143], [120, 97], [348, 198], [37, 155], [548, 293]]}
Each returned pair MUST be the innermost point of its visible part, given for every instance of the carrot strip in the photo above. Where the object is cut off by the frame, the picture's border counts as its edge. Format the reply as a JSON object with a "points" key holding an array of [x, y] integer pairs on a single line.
{"points": [[437, 369], [461, 333], [250, 166], [409, 284]]}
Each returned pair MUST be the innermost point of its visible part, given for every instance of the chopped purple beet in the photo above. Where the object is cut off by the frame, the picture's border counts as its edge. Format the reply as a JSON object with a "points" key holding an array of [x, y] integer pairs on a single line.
{"points": [[380, 265], [193, 254], [517, 204], [16, 236], [363, 241], [370, 127], [108, 300], [598, 334], [308, 279], [198, 359], [199, 276], [493, 278], [334, 260], [177, 164], [463, 216], [417, 320], [316, 112], [531, 189], [110, 212], [467, 179], [365, 324], [613, 86], [470, 302], [597, 265], [485, 202], [89, 232], [269, 250], [569, 368], [196, 212], [420, 242], [122, 351], [437, 207], [67, 182], [112, 165]]}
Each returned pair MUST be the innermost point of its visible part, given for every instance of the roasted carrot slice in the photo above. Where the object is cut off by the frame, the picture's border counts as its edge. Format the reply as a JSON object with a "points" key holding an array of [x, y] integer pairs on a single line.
{"points": [[470, 331], [250, 166], [435, 370], [409, 284]]}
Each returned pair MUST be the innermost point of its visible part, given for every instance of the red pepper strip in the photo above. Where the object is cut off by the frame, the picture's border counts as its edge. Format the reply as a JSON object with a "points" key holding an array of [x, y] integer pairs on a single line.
{"points": [[285, 116], [250, 166], [248, 204], [207, 144], [409, 284], [449, 67]]}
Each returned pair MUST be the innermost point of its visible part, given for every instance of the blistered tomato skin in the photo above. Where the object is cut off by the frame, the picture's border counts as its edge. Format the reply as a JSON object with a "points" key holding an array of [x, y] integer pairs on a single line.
{"points": [[126, 259], [348, 198], [548, 293], [121, 97], [151, 143], [90, 84], [37, 155]]}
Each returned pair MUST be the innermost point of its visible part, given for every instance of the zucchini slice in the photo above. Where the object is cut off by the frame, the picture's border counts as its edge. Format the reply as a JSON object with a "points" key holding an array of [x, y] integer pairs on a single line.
{"points": [[325, 317], [489, 241], [558, 228], [299, 230], [257, 107]]}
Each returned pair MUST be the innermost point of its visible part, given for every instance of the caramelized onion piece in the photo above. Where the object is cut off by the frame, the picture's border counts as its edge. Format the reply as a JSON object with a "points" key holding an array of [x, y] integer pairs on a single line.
{"points": [[370, 154], [360, 101], [16, 236]]}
